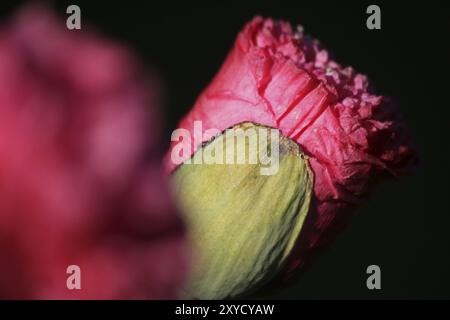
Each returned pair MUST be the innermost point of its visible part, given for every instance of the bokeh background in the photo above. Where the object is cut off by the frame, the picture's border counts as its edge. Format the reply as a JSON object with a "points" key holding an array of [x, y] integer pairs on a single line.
{"points": [[405, 226]]}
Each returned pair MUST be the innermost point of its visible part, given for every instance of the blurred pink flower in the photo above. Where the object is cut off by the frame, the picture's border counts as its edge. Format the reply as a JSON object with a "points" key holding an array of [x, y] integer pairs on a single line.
{"points": [[80, 176]]}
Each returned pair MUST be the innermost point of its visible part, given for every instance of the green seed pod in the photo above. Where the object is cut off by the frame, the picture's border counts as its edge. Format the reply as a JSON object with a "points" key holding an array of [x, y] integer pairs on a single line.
{"points": [[243, 221]]}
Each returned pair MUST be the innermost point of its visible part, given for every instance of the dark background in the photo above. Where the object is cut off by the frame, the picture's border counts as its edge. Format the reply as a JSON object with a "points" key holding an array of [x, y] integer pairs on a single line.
{"points": [[405, 227]]}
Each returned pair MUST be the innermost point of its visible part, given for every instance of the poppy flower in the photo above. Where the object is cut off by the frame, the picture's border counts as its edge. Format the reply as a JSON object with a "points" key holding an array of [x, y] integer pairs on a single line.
{"points": [[353, 138], [81, 183]]}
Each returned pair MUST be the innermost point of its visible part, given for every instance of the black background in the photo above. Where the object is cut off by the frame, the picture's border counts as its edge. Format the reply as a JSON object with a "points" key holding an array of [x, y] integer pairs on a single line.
{"points": [[405, 226]]}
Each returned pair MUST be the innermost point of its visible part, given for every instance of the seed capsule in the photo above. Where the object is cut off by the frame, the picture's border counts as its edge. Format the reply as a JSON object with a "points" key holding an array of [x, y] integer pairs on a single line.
{"points": [[243, 224]]}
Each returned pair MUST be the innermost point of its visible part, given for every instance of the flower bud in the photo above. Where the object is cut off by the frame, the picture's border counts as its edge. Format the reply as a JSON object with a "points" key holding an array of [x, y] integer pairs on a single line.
{"points": [[277, 76]]}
